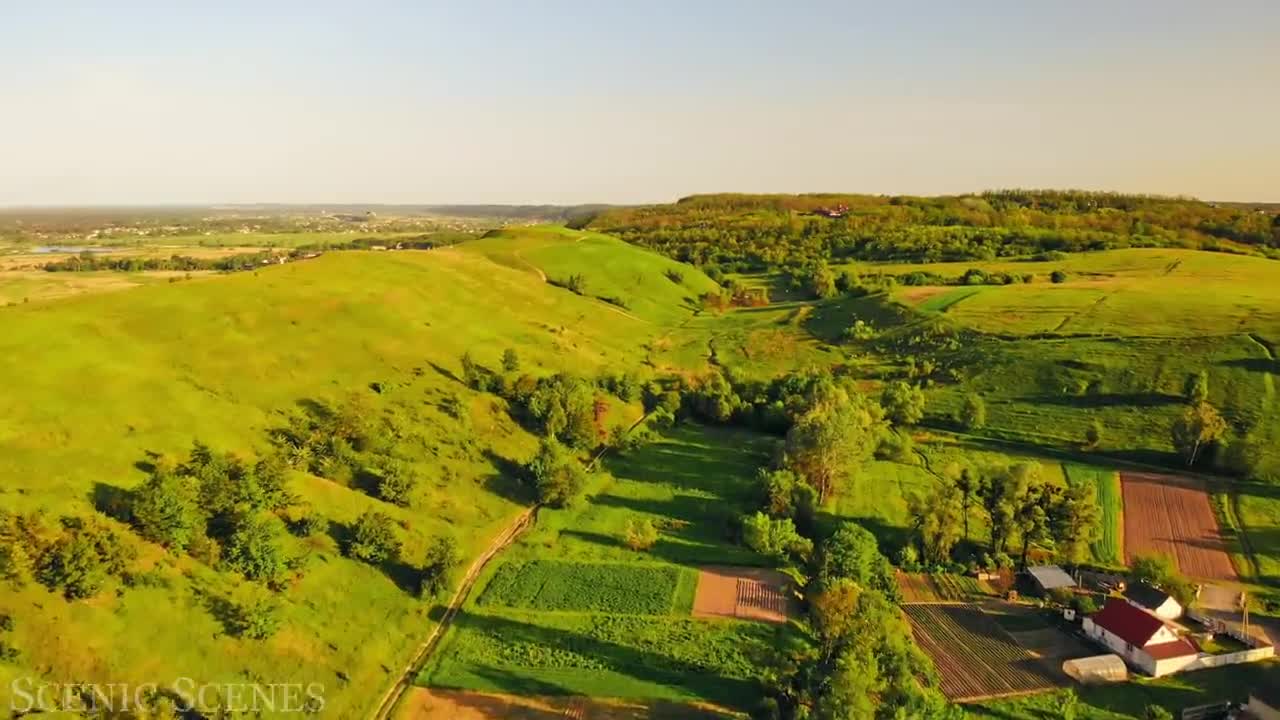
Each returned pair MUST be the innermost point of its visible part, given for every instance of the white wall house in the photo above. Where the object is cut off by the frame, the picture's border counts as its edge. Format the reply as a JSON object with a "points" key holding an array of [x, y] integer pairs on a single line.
{"points": [[1143, 640], [1154, 600]]}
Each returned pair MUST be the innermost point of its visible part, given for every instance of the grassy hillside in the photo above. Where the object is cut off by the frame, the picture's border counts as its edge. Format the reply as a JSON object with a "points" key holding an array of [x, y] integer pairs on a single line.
{"points": [[95, 386], [640, 283]]}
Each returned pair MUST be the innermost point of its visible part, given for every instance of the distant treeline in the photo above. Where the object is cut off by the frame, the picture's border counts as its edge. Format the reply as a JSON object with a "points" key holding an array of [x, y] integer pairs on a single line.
{"points": [[88, 262], [754, 232]]}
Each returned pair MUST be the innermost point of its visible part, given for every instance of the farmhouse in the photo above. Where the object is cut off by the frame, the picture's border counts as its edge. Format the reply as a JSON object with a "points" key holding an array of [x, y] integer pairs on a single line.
{"points": [[1154, 600], [1142, 639]]}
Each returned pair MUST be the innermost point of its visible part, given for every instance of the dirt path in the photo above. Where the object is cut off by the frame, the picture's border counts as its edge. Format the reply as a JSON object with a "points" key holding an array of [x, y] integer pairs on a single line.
{"points": [[392, 696]]}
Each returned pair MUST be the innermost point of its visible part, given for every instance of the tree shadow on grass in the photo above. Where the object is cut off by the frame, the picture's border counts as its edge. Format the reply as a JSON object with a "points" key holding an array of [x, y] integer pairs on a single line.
{"points": [[507, 482], [112, 500], [1261, 365]]}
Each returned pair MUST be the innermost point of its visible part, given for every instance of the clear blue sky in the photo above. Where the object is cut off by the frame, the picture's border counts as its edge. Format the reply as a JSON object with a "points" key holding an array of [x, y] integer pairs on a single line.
{"points": [[632, 101]]}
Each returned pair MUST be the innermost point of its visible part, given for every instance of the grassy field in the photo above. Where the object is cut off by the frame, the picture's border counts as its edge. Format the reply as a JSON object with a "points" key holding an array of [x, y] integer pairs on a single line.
{"points": [[1109, 547], [94, 384], [1134, 292], [596, 633]]}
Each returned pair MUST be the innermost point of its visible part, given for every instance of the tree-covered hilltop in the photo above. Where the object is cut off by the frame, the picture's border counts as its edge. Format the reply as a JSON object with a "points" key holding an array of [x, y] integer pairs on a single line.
{"points": [[743, 232]]}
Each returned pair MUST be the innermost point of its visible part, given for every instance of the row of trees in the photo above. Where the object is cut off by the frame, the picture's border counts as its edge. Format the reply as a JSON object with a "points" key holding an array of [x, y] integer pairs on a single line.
{"points": [[1021, 511], [88, 262]]}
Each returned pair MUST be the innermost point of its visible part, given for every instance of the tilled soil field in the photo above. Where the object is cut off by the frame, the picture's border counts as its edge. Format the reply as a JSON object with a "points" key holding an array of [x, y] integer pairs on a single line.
{"points": [[1172, 516]]}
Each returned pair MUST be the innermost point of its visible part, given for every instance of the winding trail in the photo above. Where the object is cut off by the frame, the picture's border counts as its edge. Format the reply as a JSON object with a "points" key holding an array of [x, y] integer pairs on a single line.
{"points": [[393, 694]]}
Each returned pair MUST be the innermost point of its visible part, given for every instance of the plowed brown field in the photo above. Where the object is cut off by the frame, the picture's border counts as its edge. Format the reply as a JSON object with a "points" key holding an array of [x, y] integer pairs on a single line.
{"points": [[1172, 516], [748, 593]]}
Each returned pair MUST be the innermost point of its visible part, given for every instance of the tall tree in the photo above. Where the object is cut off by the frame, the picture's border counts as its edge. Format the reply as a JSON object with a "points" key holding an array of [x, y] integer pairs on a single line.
{"points": [[936, 519], [903, 402], [970, 484], [1002, 497], [1198, 426], [1075, 522], [828, 441]]}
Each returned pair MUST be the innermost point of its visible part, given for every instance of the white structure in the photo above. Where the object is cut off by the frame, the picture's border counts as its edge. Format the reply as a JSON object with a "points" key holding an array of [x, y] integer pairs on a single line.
{"points": [[1140, 638], [1153, 600], [1051, 577], [1107, 668]]}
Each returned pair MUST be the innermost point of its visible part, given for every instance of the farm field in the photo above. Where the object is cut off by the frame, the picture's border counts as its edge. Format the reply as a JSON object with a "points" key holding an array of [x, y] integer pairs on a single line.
{"points": [[941, 588], [1109, 547], [744, 593], [1172, 516], [589, 627], [1133, 292], [974, 656]]}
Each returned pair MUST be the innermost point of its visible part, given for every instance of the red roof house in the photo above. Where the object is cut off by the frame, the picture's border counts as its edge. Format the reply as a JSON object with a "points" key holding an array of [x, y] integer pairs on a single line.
{"points": [[1141, 638]]}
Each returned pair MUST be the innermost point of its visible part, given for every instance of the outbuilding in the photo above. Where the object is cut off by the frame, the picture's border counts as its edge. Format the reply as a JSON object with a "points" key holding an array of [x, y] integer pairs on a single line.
{"points": [[1050, 577], [1145, 641], [1154, 600]]}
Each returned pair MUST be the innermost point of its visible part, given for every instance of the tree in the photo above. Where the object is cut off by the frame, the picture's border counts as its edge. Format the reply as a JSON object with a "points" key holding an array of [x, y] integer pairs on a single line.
{"points": [[373, 538], [440, 560], [903, 403], [852, 553], [510, 360], [821, 281], [166, 509], [1198, 426], [969, 483], [828, 440], [256, 547], [1196, 388], [641, 534], [1032, 519], [473, 375], [937, 522], [774, 538], [557, 475], [1075, 522], [397, 484], [973, 412], [257, 615], [1162, 572], [1003, 494], [73, 564]]}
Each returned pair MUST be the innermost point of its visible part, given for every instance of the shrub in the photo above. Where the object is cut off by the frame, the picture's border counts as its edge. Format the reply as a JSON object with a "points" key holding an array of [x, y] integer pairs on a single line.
{"points": [[903, 403], [438, 564], [310, 524], [397, 485], [256, 617], [1093, 434], [167, 510], [640, 535], [1057, 276], [776, 539], [510, 360], [896, 446], [674, 275], [255, 548], [373, 538], [73, 564]]}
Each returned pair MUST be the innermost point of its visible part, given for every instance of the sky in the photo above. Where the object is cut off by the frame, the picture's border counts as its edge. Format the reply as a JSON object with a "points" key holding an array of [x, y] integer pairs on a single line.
{"points": [[560, 101]]}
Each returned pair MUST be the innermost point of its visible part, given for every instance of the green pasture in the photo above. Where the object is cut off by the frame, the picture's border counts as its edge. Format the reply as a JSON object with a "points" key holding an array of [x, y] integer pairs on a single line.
{"points": [[1109, 547]]}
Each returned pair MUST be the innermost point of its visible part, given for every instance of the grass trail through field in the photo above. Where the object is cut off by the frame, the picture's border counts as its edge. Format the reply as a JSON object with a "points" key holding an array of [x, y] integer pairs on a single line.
{"points": [[405, 681]]}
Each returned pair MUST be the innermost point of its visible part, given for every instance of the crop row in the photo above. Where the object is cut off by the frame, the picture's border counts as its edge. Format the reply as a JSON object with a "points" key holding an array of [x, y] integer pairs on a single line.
{"points": [[974, 656]]}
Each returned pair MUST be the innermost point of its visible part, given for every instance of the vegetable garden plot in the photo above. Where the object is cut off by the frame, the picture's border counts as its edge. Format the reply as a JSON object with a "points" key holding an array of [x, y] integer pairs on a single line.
{"points": [[625, 588], [1172, 516], [974, 656]]}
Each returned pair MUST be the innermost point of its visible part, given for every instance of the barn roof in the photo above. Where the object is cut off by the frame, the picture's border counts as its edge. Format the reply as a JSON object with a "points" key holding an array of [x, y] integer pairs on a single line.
{"points": [[1146, 595], [1051, 576], [1127, 622]]}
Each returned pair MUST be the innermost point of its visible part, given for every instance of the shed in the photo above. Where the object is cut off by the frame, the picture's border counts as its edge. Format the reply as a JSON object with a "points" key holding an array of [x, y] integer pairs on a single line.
{"points": [[1050, 577], [1096, 669], [1157, 601]]}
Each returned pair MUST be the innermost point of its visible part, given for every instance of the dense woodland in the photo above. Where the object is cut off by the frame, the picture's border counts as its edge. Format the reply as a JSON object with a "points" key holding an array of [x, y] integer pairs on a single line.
{"points": [[751, 232]]}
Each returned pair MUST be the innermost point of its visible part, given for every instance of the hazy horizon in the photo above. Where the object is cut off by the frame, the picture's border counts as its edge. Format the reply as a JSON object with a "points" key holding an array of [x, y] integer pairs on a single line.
{"points": [[149, 104]]}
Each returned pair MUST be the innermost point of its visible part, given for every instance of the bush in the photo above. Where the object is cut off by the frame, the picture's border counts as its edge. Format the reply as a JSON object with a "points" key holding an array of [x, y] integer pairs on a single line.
{"points": [[775, 539], [903, 403], [166, 509], [674, 276], [439, 562], [1093, 434], [1057, 276], [640, 535], [256, 548], [256, 617], [896, 446], [311, 524], [373, 539], [397, 485]]}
